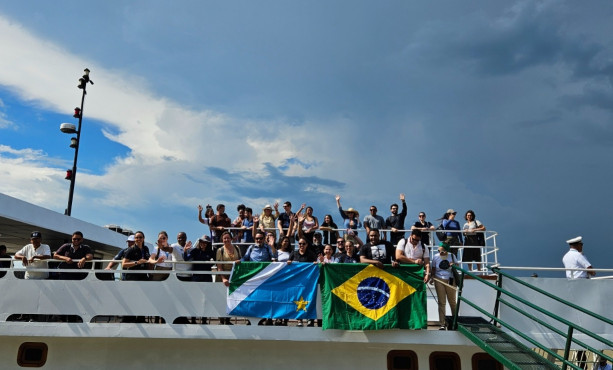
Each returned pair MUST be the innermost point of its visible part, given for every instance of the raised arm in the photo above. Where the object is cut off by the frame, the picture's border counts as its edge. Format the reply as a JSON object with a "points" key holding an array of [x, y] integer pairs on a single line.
{"points": [[200, 215], [340, 209], [404, 205], [254, 227]]}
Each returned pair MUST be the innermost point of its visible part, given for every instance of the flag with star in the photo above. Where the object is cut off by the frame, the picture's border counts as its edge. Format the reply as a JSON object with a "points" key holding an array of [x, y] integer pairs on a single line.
{"points": [[365, 297], [273, 290]]}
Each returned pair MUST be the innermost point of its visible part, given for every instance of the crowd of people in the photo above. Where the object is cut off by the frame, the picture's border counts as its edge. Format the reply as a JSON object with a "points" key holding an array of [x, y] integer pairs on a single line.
{"points": [[289, 237], [273, 235]]}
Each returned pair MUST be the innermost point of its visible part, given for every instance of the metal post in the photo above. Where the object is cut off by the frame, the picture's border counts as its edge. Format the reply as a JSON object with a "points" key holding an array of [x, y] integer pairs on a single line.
{"points": [[76, 150]]}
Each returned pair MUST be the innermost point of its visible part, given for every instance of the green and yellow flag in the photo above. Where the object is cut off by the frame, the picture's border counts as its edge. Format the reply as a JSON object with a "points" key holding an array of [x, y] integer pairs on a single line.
{"points": [[365, 297]]}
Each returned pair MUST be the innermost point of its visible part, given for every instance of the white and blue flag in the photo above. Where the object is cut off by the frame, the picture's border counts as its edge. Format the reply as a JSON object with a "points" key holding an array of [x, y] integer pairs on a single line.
{"points": [[273, 290]]}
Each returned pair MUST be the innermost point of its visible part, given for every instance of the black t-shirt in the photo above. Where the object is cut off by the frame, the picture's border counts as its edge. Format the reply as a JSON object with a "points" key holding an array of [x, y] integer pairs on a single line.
{"points": [[198, 254], [306, 257], [344, 258], [383, 251], [66, 251], [425, 235], [134, 253]]}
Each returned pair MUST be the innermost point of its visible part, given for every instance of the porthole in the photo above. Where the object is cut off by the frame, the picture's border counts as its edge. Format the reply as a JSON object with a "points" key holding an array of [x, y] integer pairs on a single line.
{"points": [[401, 360], [483, 361], [32, 354], [444, 360]]}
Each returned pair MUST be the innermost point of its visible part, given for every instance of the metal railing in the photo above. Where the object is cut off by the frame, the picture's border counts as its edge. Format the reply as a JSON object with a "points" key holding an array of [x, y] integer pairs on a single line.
{"points": [[568, 334]]}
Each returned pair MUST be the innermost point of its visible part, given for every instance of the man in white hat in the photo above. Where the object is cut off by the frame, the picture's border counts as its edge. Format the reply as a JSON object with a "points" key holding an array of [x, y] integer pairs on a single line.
{"points": [[574, 259]]}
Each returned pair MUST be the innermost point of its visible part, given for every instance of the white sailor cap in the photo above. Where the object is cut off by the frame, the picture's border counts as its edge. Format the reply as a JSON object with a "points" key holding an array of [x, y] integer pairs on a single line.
{"points": [[574, 240]]}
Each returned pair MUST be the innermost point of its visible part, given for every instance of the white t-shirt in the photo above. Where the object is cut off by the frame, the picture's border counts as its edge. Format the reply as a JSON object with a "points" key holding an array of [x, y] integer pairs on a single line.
{"points": [[411, 251], [282, 256], [28, 252], [177, 255], [472, 225], [439, 271]]}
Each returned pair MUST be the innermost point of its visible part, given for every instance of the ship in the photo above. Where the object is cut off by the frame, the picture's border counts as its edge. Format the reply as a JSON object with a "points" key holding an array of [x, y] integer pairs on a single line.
{"points": [[502, 320]]}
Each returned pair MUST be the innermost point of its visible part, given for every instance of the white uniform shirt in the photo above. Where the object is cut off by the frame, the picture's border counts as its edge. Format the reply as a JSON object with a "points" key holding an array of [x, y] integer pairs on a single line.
{"points": [[573, 259], [28, 252]]}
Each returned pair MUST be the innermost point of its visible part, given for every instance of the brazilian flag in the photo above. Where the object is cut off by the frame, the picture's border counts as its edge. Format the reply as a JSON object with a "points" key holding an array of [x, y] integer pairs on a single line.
{"points": [[365, 297]]}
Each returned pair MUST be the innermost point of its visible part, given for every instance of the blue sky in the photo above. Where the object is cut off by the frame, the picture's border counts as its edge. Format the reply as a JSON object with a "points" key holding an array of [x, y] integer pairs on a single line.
{"points": [[503, 108]]}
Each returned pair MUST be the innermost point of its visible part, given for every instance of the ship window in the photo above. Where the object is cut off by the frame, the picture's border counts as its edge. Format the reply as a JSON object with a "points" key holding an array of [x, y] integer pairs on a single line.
{"points": [[32, 354], [401, 360], [444, 360], [483, 361]]}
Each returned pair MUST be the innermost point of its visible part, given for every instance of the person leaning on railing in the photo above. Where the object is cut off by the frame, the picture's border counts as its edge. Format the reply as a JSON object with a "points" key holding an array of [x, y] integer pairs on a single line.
{"points": [[450, 223], [33, 256], [73, 256], [412, 250], [137, 258], [574, 259], [425, 227], [473, 237], [328, 227]]}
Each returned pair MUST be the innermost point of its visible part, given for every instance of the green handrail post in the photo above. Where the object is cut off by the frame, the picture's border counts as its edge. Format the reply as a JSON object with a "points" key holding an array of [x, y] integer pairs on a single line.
{"points": [[460, 285], [569, 340], [498, 294]]}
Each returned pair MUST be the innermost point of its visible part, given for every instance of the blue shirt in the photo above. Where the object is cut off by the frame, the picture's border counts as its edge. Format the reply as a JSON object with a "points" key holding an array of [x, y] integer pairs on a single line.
{"points": [[453, 225], [255, 253]]}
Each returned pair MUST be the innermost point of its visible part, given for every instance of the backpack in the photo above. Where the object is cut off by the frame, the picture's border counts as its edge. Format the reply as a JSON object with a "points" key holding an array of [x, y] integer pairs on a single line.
{"points": [[441, 235], [423, 249]]}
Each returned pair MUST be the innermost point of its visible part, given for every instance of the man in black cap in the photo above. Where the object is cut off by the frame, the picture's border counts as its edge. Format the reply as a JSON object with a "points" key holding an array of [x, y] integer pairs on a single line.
{"points": [[33, 256]]}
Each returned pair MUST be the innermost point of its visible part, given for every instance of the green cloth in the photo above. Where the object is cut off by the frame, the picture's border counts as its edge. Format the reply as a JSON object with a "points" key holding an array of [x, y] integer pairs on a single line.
{"points": [[365, 297]]}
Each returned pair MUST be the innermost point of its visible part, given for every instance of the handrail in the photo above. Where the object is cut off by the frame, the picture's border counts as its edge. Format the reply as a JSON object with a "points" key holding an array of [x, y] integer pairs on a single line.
{"points": [[523, 335], [571, 326]]}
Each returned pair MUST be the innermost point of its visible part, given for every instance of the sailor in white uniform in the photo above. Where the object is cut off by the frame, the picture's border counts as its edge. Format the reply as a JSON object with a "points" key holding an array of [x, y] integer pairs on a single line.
{"points": [[574, 259]]}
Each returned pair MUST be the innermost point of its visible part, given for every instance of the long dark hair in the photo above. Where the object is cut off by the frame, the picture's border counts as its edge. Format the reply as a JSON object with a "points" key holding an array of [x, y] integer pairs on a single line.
{"points": [[331, 221], [445, 217], [472, 213]]}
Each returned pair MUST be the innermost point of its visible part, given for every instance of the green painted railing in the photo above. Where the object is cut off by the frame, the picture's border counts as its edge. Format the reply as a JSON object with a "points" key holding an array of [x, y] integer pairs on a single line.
{"points": [[500, 292]]}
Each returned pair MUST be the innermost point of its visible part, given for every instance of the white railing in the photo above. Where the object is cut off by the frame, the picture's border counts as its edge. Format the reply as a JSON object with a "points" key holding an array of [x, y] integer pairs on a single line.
{"points": [[489, 256]]}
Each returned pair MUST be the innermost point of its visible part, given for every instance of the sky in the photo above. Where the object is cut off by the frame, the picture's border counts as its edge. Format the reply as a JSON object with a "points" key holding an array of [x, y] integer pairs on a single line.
{"points": [[504, 108]]}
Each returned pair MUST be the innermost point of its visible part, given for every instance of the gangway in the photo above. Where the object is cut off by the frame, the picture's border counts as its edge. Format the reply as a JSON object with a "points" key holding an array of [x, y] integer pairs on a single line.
{"points": [[509, 345]]}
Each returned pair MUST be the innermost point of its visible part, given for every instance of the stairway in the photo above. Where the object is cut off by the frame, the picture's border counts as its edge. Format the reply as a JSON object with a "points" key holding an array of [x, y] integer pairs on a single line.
{"points": [[500, 345]]}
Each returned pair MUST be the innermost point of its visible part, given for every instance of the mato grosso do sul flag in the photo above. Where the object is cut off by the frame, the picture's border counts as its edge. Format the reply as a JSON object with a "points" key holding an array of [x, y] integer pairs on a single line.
{"points": [[365, 297], [273, 290]]}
